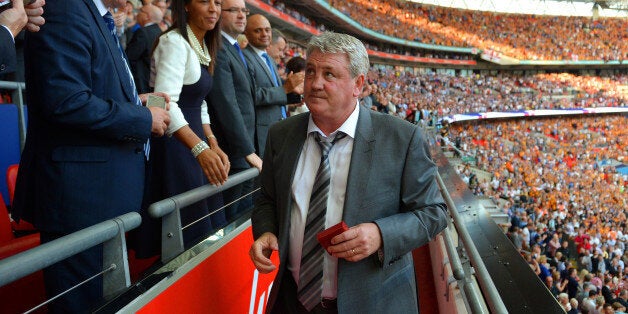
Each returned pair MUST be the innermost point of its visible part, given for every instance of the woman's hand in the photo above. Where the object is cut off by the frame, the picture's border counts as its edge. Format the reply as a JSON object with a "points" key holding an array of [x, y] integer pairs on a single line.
{"points": [[222, 155], [213, 167]]}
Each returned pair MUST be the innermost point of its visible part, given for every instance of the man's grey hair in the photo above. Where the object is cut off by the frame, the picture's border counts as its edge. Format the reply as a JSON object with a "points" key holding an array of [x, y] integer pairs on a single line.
{"points": [[276, 35], [330, 42]]}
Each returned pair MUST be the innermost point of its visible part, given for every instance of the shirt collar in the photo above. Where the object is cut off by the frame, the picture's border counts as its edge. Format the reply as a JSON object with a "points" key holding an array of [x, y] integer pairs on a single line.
{"points": [[102, 9], [348, 127], [257, 50], [230, 39]]}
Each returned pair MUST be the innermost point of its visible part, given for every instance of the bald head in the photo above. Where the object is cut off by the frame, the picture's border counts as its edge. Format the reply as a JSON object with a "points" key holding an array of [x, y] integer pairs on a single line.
{"points": [[149, 14], [258, 31]]}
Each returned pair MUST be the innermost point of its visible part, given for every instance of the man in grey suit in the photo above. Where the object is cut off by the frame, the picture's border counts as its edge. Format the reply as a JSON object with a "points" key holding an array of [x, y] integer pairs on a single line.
{"points": [[230, 103], [271, 95], [377, 177]]}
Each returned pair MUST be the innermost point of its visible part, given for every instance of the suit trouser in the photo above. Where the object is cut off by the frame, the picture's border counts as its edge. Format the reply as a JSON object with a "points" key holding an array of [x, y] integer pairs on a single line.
{"points": [[236, 209], [66, 274], [287, 301]]}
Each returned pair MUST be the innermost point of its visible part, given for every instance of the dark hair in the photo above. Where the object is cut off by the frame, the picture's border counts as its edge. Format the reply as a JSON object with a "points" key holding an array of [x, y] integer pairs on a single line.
{"points": [[295, 65], [180, 20]]}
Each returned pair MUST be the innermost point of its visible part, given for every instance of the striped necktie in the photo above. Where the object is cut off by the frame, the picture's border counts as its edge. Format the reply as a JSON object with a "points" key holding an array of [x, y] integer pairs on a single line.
{"points": [[111, 25], [311, 271]]}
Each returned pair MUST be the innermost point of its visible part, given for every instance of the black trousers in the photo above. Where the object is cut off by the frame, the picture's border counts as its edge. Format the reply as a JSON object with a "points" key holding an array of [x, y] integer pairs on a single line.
{"points": [[66, 274]]}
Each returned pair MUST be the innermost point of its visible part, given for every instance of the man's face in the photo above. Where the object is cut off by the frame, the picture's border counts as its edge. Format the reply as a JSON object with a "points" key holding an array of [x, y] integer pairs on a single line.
{"points": [[259, 32], [143, 15], [276, 50], [162, 5], [329, 90], [233, 23]]}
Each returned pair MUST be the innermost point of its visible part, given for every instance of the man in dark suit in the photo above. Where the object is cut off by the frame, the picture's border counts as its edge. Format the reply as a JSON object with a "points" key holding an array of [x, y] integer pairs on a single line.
{"points": [[140, 49], [230, 102], [343, 162], [271, 95], [12, 21], [84, 158]]}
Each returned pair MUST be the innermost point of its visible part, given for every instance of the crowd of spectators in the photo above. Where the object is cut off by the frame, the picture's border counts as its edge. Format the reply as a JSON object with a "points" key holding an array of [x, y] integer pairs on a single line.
{"points": [[566, 201], [525, 37], [399, 93]]}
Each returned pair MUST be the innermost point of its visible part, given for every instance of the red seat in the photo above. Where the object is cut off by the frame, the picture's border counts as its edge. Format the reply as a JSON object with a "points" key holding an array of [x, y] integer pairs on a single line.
{"points": [[11, 178], [26, 293]]}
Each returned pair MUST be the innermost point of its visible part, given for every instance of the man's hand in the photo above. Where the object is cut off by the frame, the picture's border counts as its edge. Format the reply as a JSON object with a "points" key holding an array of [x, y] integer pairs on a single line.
{"points": [[356, 243], [294, 83], [161, 119], [254, 161], [15, 18], [261, 250], [34, 12]]}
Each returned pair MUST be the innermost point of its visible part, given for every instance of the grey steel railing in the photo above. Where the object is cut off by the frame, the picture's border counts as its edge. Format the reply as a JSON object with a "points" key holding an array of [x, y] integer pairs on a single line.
{"points": [[18, 98], [110, 233], [169, 210], [474, 297]]}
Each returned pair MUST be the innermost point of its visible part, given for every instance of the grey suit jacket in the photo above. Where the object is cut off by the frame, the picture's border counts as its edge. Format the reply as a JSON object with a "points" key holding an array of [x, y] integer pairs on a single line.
{"points": [[230, 105], [391, 182], [268, 97]]}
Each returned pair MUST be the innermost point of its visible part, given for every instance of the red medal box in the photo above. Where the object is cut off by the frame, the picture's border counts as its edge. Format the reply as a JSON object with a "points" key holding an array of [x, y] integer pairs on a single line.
{"points": [[325, 236]]}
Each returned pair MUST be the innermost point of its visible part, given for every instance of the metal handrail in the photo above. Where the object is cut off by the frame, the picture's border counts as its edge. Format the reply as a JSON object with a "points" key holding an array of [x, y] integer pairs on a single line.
{"points": [[492, 296], [109, 232], [18, 98], [168, 209]]}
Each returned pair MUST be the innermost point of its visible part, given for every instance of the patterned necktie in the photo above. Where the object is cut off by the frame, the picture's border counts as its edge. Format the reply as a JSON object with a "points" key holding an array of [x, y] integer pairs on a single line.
{"points": [[311, 272], [237, 47], [111, 25], [273, 74]]}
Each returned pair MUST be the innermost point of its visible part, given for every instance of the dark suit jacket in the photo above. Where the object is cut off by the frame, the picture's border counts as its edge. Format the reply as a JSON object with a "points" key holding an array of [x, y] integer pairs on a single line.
{"points": [[83, 161], [268, 97], [8, 58], [391, 182], [230, 105], [139, 51]]}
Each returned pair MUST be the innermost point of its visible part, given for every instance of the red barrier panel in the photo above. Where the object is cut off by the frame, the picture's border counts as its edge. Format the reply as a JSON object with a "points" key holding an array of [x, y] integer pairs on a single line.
{"points": [[225, 282]]}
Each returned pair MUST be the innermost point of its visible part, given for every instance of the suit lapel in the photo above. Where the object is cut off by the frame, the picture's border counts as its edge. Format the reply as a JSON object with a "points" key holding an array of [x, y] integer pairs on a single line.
{"points": [[261, 64], [360, 168], [120, 67]]}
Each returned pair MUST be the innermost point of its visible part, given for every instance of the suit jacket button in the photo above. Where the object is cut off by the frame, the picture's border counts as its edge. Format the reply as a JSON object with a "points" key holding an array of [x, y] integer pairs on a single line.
{"points": [[139, 150], [2, 67]]}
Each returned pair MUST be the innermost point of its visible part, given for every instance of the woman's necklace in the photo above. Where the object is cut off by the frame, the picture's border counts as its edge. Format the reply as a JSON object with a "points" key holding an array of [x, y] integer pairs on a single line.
{"points": [[201, 51]]}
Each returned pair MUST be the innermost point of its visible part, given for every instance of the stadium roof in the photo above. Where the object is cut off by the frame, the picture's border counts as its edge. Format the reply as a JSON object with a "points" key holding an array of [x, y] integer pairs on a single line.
{"points": [[609, 8]]}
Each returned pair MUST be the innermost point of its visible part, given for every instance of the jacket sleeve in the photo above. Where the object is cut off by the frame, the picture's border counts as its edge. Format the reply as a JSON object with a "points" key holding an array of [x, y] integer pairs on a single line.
{"points": [[7, 51], [422, 209]]}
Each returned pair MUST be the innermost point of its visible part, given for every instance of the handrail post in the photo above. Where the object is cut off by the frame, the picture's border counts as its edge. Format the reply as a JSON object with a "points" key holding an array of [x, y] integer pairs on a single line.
{"points": [[171, 235], [115, 254], [21, 119]]}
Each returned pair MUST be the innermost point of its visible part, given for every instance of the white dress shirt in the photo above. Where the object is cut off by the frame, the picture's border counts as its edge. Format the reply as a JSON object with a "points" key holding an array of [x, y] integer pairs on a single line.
{"points": [[307, 166], [174, 64]]}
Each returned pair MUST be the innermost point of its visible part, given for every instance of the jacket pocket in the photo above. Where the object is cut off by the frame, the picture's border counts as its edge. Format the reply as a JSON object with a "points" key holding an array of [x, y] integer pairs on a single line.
{"points": [[81, 154]]}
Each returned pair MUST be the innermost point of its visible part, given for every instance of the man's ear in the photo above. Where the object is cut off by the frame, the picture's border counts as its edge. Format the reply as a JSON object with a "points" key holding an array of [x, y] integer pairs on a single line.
{"points": [[359, 85]]}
